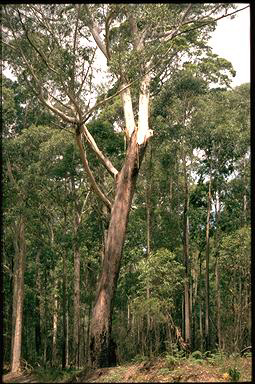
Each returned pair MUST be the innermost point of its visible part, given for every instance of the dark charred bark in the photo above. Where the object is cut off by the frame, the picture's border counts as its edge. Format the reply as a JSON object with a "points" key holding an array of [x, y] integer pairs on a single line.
{"points": [[102, 346]]}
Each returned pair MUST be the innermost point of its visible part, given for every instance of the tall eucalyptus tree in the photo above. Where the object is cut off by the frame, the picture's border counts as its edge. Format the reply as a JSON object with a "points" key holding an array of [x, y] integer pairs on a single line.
{"points": [[52, 47]]}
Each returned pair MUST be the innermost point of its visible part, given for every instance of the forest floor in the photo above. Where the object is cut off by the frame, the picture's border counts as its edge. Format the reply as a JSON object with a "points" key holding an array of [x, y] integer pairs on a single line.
{"points": [[154, 370]]}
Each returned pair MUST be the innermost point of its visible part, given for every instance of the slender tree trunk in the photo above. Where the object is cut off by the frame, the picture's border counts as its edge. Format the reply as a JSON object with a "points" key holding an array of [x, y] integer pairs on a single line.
{"points": [[171, 194], [240, 346], [88, 333], [44, 318], [8, 342], [55, 324], [245, 205], [186, 256], [67, 332], [194, 304], [38, 341], [102, 347], [148, 228], [64, 302], [200, 302], [76, 320], [201, 327], [76, 297], [18, 297], [64, 307], [207, 293], [217, 273]]}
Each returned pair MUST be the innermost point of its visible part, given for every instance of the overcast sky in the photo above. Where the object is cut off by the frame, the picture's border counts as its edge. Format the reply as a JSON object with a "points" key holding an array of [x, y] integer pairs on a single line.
{"points": [[231, 40]]}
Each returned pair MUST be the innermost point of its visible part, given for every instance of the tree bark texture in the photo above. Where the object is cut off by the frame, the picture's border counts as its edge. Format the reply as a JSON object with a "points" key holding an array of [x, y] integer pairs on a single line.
{"points": [[102, 347], [18, 297]]}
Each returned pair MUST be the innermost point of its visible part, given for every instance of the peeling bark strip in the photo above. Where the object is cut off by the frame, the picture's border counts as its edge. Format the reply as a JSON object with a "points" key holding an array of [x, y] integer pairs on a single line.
{"points": [[102, 347]]}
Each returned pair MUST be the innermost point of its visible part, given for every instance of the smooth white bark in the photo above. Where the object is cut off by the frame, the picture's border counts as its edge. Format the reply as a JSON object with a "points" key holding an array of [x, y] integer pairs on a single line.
{"points": [[143, 117], [128, 111]]}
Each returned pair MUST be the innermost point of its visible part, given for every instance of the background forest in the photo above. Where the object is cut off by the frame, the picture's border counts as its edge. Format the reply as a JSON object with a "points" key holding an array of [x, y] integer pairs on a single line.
{"points": [[184, 281]]}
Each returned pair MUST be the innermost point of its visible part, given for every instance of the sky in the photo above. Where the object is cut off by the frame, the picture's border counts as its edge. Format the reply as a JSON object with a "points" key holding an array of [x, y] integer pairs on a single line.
{"points": [[231, 40]]}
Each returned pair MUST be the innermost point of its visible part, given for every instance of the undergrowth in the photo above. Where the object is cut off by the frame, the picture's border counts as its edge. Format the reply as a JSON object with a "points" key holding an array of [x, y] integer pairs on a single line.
{"points": [[55, 374]]}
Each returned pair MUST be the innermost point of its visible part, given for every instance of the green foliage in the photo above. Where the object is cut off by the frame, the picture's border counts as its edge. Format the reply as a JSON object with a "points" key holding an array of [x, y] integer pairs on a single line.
{"points": [[235, 252], [215, 358], [234, 374], [55, 374], [197, 355], [171, 362], [140, 359], [161, 273]]}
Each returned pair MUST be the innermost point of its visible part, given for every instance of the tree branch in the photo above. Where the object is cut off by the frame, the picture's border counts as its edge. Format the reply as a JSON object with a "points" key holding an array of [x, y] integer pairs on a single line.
{"points": [[74, 45], [86, 74], [210, 21], [48, 104], [104, 160], [92, 180], [180, 23], [95, 32]]}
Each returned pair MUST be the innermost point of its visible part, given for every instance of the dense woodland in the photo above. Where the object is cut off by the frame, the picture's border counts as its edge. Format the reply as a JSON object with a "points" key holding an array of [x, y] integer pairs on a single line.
{"points": [[126, 209]]}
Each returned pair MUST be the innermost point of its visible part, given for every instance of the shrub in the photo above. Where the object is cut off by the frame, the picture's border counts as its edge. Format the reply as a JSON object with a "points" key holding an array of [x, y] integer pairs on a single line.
{"points": [[234, 374], [171, 362], [197, 355]]}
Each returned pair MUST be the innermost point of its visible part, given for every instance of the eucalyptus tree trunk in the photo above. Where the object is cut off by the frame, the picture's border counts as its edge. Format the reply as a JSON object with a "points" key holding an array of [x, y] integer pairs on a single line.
{"points": [[76, 299], [217, 273], [244, 196], [187, 332], [201, 296], [207, 291], [38, 336], [64, 308], [148, 230], [55, 323], [102, 346], [194, 305], [64, 288], [18, 295]]}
